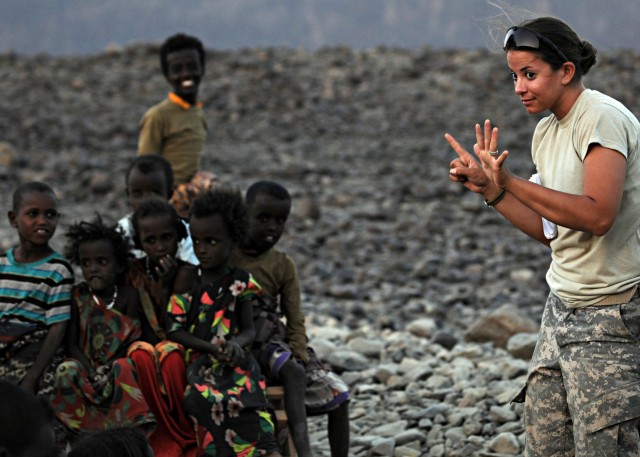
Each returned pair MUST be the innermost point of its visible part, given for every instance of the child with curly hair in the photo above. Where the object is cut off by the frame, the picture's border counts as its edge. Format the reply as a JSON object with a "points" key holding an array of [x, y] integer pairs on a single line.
{"points": [[97, 388], [226, 393]]}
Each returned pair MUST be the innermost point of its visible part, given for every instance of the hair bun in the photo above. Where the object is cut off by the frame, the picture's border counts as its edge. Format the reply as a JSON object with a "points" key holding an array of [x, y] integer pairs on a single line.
{"points": [[587, 56]]}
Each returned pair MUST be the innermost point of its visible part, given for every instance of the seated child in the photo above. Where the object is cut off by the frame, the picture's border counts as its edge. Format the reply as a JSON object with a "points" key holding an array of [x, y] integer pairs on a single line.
{"points": [[176, 128], [160, 363], [147, 176], [284, 355], [97, 388], [35, 292], [225, 396], [27, 423]]}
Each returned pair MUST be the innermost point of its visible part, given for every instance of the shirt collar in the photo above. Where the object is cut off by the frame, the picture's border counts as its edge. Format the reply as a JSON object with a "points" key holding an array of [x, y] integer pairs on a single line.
{"points": [[181, 102]]}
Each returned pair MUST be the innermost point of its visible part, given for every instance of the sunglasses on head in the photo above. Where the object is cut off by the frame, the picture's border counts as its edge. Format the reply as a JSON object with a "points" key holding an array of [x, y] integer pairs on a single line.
{"points": [[527, 38]]}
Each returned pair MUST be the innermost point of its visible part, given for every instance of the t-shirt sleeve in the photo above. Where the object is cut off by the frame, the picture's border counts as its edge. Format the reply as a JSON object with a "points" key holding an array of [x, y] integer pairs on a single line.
{"points": [[607, 126], [292, 309], [59, 301], [150, 136]]}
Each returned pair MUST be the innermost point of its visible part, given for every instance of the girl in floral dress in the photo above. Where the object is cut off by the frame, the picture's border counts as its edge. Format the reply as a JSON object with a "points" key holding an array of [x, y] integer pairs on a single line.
{"points": [[97, 388], [225, 396]]}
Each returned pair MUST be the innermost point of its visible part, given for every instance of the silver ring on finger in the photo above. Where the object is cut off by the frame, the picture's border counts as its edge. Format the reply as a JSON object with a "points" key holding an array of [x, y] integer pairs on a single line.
{"points": [[493, 153]]}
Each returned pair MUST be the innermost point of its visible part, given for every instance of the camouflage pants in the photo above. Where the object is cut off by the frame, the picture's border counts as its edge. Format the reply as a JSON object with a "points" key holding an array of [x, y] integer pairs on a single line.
{"points": [[583, 390]]}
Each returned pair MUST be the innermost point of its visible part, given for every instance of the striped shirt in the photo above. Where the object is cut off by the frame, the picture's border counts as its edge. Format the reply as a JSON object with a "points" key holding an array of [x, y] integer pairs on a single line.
{"points": [[36, 293]]}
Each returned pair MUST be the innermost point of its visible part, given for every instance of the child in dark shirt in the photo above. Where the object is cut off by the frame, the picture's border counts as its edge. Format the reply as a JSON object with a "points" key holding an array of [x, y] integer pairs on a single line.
{"points": [[283, 354], [176, 128]]}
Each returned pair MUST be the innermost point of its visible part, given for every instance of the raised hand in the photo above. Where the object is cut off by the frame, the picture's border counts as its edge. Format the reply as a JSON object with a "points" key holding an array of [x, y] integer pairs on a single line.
{"points": [[486, 149], [166, 268], [483, 173]]}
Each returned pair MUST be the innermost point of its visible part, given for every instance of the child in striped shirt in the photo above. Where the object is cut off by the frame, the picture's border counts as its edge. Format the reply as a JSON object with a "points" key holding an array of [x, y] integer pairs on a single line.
{"points": [[35, 292]]}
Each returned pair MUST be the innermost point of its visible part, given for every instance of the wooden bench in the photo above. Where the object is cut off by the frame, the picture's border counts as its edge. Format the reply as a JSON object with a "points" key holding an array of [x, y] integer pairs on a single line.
{"points": [[275, 395]]}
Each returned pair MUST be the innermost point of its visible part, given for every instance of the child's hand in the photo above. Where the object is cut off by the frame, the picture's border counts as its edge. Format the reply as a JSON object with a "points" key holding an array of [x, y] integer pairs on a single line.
{"points": [[233, 353], [100, 377], [166, 267], [217, 348]]}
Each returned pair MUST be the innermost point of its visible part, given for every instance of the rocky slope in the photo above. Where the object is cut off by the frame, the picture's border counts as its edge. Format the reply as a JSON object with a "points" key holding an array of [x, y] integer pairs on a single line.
{"points": [[398, 264]]}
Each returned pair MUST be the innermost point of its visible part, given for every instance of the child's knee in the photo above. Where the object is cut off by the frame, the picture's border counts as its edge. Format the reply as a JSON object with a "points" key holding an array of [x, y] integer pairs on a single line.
{"points": [[140, 349]]}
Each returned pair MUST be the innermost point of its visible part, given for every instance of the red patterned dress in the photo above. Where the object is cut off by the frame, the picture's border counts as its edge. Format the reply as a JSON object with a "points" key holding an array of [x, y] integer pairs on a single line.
{"points": [[104, 336]]}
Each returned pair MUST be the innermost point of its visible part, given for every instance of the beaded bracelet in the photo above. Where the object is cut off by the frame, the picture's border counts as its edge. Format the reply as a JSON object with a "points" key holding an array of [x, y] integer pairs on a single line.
{"points": [[495, 200]]}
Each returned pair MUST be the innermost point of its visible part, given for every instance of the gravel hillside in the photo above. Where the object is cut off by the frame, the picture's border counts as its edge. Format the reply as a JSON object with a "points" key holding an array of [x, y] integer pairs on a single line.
{"points": [[398, 264]]}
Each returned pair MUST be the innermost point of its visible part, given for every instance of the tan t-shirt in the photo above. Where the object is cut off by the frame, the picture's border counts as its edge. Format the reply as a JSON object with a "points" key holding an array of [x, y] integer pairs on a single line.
{"points": [[276, 273], [586, 268], [177, 131]]}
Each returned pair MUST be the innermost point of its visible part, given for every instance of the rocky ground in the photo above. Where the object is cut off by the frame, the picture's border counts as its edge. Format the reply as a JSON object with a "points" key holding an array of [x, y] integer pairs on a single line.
{"points": [[420, 296]]}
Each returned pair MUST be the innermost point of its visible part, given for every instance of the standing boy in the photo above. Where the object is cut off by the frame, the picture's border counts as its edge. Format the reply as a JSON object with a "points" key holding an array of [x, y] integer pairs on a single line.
{"points": [[283, 355], [176, 127], [35, 291]]}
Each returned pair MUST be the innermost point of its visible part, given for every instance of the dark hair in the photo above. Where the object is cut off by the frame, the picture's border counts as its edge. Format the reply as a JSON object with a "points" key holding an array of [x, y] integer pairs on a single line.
{"points": [[83, 231], [155, 206], [114, 442], [149, 163], [178, 42], [228, 203], [27, 188], [22, 415], [580, 52], [270, 188]]}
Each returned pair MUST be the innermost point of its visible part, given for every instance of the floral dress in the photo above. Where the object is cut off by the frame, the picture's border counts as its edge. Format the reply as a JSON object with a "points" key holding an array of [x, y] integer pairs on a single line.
{"points": [[227, 403], [104, 335]]}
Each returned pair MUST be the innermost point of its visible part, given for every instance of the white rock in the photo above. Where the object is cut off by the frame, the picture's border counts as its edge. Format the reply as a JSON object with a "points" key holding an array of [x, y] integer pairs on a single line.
{"points": [[423, 327], [383, 446], [505, 443]]}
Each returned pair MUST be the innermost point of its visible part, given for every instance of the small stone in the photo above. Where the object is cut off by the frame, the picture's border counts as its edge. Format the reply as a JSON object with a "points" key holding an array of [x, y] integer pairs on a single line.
{"points": [[505, 443]]}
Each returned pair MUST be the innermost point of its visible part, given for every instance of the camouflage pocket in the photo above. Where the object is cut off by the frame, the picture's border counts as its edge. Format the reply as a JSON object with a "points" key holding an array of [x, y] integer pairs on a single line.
{"points": [[630, 315]]}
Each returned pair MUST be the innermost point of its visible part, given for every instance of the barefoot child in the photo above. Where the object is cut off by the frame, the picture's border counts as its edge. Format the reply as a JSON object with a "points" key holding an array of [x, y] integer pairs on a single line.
{"points": [[225, 397], [160, 363], [35, 292], [96, 388], [283, 355]]}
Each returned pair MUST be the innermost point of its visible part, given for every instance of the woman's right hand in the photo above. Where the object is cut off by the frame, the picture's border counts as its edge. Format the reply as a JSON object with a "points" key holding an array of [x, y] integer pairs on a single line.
{"points": [[467, 170]]}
